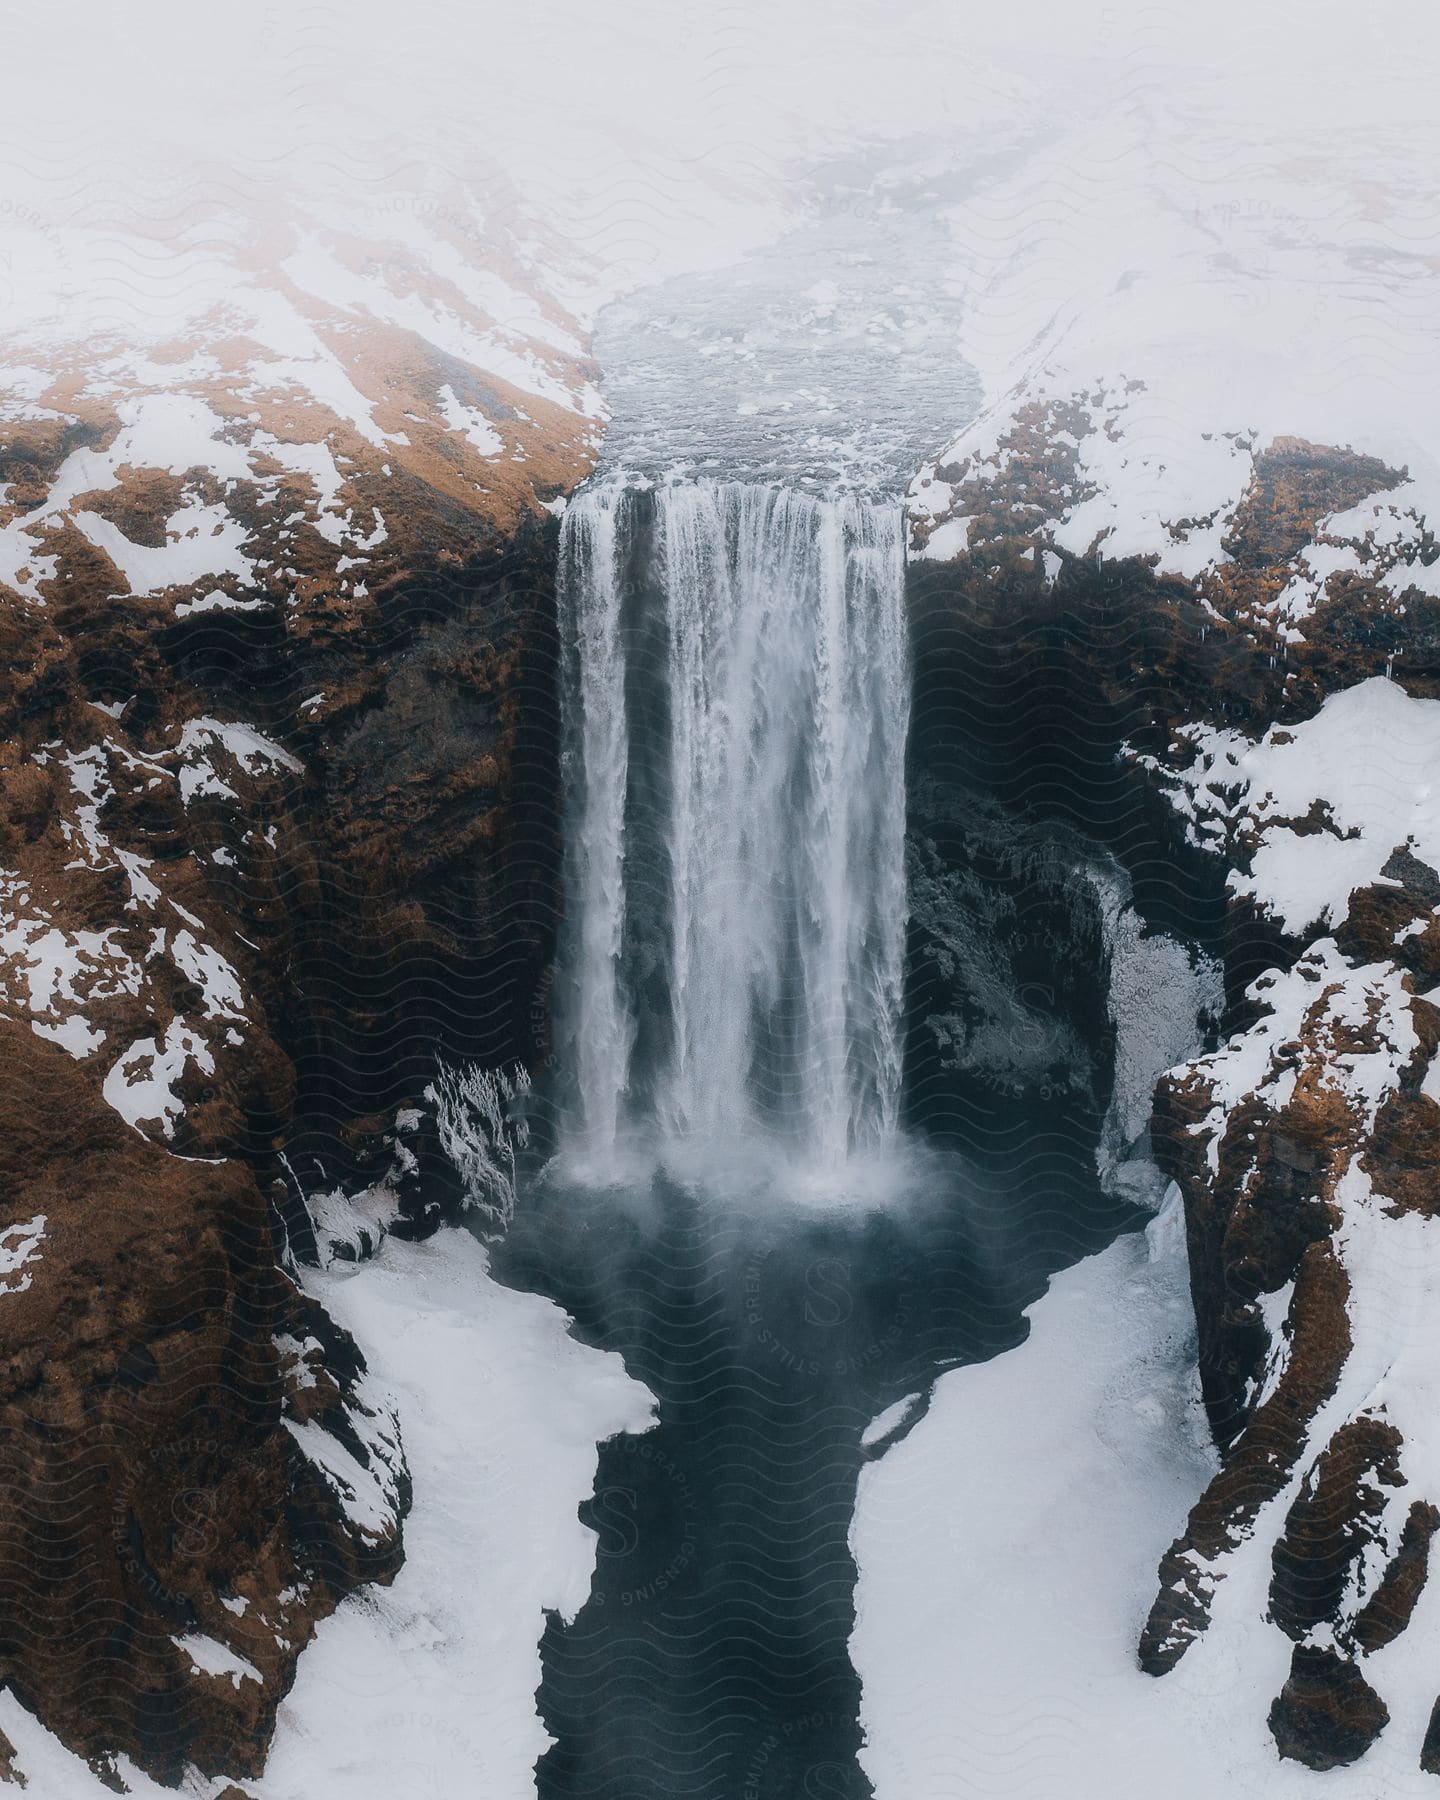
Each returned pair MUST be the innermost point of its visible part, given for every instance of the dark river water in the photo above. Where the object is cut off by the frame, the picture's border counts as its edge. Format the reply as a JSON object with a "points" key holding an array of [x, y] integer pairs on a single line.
{"points": [[711, 1661]]}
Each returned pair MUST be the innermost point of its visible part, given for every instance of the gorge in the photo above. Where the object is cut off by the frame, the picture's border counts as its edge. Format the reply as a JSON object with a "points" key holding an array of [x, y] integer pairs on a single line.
{"points": [[718, 911]]}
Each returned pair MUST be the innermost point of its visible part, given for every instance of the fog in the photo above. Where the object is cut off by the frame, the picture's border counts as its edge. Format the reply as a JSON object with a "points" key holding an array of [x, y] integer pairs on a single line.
{"points": [[649, 137]]}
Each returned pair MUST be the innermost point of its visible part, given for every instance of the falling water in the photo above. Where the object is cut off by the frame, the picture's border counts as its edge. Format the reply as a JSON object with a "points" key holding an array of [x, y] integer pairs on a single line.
{"points": [[598, 754], [776, 907]]}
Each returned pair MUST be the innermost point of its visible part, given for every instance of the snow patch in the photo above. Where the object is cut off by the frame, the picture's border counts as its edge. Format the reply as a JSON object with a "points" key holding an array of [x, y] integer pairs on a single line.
{"points": [[470, 422], [1360, 775], [210, 1657], [141, 1085], [20, 1244], [432, 1680]]}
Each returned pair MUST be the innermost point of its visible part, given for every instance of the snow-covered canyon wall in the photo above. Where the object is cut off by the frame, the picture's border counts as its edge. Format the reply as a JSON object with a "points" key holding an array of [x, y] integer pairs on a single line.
{"points": [[277, 779], [1183, 573]]}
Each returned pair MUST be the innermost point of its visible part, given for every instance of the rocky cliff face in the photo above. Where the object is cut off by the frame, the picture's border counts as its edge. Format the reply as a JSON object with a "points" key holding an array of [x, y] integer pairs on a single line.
{"points": [[277, 779], [194, 1466], [1256, 693]]}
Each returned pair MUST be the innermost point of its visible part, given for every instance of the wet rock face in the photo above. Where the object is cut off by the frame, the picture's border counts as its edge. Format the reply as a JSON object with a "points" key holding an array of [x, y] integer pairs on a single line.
{"points": [[1305, 1147], [1006, 966], [423, 908]]}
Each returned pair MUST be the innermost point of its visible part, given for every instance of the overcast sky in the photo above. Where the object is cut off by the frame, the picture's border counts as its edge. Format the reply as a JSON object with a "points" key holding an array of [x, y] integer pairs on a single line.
{"points": [[659, 133], [573, 92]]}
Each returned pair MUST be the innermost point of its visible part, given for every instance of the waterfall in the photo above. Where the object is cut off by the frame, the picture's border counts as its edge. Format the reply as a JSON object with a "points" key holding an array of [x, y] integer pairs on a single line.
{"points": [[736, 699], [596, 760]]}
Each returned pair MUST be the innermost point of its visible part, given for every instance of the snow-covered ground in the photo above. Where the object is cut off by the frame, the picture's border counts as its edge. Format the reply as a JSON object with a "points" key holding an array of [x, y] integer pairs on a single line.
{"points": [[1007, 1549], [425, 1690], [1318, 809], [1227, 234]]}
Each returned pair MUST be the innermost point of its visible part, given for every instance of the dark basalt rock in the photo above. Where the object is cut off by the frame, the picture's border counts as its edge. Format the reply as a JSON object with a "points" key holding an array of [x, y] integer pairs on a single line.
{"points": [[1430, 1749], [1330, 1523], [1327, 1714], [1336, 1517], [1258, 1464], [151, 1373], [1390, 1607]]}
